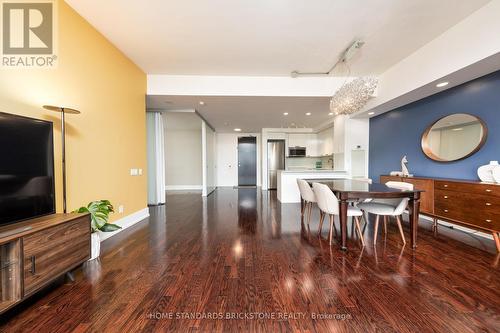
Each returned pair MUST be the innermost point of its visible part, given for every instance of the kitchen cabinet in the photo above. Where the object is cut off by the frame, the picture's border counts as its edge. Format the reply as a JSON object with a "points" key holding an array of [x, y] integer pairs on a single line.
{"points": [[338, 144], [297, 139], [308, 140], [325, 142]]}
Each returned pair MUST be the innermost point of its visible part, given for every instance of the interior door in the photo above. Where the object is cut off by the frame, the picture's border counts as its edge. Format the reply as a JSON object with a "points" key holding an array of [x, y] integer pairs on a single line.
{"points": [[247, 161]]}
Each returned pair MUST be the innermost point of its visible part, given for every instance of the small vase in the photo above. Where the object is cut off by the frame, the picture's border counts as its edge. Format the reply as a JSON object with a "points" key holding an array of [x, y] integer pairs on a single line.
{"points": [[496, 173], [95, 241], [485, 172]]}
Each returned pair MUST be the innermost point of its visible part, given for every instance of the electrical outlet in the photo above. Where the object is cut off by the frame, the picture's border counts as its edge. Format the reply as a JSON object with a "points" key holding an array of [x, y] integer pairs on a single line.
{"points": [[133, 172], [120, 209], [140, 172]]}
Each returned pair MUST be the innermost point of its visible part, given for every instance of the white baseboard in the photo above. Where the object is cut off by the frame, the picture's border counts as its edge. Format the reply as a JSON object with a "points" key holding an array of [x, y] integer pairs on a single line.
{"points": [[183, 187], [126, 222]]}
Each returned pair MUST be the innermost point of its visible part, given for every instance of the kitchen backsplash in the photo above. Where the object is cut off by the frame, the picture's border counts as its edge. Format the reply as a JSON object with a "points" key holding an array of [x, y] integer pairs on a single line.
{"points": [[309, 162]]}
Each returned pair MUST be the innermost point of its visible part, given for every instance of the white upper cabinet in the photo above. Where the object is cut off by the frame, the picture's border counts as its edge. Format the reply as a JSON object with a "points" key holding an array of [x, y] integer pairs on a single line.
{"points": [[325, 142], [339, 134], [297, 139], [312, 145], [308, 140]]}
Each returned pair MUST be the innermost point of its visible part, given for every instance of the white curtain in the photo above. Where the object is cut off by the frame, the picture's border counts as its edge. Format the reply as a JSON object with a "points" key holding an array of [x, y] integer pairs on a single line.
{"points": [[156, 158]]}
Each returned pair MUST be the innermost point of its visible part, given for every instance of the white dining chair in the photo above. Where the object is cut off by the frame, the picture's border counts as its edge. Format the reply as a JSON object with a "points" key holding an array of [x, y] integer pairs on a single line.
{"points": [[309, 198], [387, 208], [329, 205]]}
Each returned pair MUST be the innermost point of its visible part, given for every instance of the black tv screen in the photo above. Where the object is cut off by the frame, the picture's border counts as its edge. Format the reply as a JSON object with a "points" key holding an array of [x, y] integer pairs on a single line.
{"points": [[26, 168]]}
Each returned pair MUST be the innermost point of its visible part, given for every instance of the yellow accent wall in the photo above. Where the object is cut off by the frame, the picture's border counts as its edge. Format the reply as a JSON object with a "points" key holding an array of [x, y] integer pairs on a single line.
{"points": [[109, 136]]}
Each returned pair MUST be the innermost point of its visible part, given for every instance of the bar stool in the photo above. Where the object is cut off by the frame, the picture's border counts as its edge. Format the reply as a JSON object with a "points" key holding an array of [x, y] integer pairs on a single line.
{"points": [[329, 205]]}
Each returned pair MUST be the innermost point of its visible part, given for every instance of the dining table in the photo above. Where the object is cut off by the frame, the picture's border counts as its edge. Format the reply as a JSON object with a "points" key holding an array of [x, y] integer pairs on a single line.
{"points": [[349, 190]]}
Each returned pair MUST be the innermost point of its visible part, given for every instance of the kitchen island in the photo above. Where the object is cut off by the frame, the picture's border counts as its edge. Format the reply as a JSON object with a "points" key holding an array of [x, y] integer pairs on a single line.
{"points": [[287, 189]]}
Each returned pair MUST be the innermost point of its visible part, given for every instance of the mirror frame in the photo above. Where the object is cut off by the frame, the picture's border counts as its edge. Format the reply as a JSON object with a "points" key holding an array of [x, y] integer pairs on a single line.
{"points": [[428, 152]]}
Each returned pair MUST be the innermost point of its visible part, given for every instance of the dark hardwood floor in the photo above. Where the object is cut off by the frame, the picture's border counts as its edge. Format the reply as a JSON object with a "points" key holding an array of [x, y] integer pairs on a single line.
{"points": [[240, 252]]}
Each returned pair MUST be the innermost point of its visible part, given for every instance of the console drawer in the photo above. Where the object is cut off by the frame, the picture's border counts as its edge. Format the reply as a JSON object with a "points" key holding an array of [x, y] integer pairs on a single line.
{"points": [[51, 252], [479, 188], [474, 209]]}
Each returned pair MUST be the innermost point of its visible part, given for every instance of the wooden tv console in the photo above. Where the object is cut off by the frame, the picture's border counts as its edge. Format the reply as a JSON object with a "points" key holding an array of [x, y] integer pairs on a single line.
{"points": [[473, 204], [35, 252]]}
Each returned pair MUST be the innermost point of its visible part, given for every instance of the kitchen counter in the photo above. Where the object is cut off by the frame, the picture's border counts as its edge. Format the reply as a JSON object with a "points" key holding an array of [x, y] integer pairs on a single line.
{"points": [[311, 170], [287, 189]]}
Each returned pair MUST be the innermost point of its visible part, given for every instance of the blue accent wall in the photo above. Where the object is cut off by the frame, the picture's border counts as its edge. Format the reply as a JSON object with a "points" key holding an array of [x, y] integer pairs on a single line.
{"points": [[398, 132]]}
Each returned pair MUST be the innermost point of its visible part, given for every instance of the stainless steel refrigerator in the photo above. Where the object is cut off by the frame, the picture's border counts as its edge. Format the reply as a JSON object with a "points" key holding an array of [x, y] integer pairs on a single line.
{"points": [[275, 161]]}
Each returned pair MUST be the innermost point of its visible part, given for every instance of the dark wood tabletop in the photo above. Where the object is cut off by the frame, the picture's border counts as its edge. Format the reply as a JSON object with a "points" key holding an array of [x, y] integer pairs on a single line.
{"points": [[348, 189], [361, 189]]}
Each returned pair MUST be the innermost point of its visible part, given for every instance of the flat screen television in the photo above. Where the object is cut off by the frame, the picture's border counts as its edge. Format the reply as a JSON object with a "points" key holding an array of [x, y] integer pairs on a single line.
{"points": [[26, 168]]}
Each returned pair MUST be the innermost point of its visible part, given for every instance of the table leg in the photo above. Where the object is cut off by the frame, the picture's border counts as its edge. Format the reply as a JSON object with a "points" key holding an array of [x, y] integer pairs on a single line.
{"points": [[343, 204], [414, 212]]}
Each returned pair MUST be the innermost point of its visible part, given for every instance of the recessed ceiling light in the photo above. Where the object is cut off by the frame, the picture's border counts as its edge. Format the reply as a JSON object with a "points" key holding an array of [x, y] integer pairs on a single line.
{"points": [[371, 113], [308, 113], [442, 84], [201, 103], [285, 113], [237, 129], [330, 114]]}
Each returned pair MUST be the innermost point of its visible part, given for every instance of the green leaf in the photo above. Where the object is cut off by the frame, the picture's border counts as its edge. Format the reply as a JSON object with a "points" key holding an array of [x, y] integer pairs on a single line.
{"points": [[110, 227], [99, 214]]}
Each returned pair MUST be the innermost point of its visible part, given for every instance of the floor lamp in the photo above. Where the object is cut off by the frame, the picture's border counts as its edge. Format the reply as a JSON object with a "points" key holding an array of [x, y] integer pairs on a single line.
{"points": [[63, 111]]}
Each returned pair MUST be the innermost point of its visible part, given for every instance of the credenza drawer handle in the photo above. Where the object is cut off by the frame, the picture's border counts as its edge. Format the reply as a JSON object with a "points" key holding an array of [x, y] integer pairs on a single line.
{"points": [[33, 265], [445, 185], [488, 190], [446, 210], [489, 221], [488, 204], [446, 197]]}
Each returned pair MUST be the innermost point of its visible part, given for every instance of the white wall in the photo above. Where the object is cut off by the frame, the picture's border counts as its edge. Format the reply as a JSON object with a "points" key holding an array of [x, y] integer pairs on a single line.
{"points": [[209, 159], [227, 158], [357, 136], [183, 153]]}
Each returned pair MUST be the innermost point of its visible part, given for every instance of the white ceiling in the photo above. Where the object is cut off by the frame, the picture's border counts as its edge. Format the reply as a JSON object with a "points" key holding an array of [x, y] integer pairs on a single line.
{"points": [[251, 114], [269, 37]]}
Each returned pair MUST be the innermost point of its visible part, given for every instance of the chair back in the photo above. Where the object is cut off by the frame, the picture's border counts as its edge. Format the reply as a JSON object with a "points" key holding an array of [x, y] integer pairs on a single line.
{"points": [[327, 201], [306, 191], [364, 180], [403, 203], [400, 185]]}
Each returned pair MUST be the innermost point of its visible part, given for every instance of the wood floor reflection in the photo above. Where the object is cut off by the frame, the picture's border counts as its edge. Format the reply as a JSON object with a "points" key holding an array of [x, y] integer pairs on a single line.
{"points": [[240, 252]]}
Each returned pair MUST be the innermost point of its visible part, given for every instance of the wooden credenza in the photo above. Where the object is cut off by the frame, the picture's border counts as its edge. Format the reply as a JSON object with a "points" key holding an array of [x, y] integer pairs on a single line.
{"points": [[35, 252], [469, 203]]}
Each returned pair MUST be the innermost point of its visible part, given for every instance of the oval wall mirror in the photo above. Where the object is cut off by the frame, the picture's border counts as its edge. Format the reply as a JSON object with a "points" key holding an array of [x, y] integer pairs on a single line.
{"points": [[454, 137]]}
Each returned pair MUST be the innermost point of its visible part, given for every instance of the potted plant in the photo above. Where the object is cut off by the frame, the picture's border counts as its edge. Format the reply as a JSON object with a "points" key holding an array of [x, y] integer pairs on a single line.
{"points": [[99, 215]]}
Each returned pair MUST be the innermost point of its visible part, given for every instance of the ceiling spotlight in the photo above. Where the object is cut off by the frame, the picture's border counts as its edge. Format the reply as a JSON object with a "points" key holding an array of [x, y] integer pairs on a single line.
{"points": [[442, 84], [330, 114], [201, 103], [285, 113], [371, 113], [237, 129], [308, 113]]}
